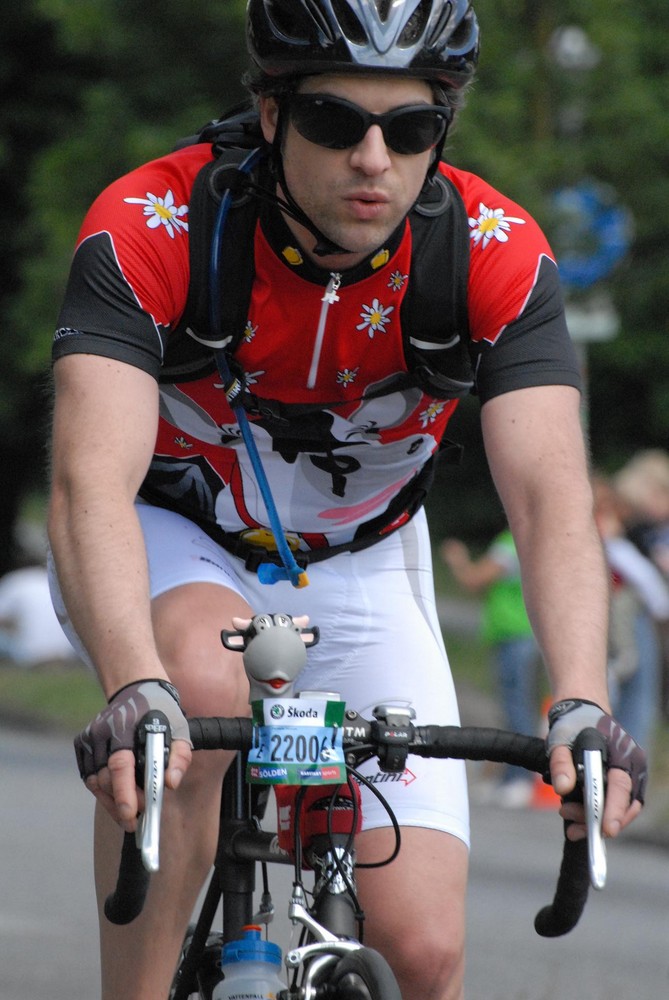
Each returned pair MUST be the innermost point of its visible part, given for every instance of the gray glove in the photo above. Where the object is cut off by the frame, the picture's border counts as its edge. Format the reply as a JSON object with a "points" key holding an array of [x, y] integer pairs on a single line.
{"points": [[566, 719], [114, 727]]}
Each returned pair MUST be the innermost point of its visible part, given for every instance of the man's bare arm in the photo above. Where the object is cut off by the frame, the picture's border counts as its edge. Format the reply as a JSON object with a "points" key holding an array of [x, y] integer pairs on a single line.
{"points": [[537, 457], [104, 432]]}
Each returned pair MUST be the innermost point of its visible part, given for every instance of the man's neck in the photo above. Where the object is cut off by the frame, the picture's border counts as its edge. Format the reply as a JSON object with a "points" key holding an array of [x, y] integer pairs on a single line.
{"points": [[308, 243]]}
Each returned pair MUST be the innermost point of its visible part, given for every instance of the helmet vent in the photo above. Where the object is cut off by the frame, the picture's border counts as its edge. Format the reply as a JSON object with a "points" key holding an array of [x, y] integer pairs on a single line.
{"points": [[464, 36], [294, 22], [416, 25], [350, 25], [283, 24], [438, 31], [321, 21]]}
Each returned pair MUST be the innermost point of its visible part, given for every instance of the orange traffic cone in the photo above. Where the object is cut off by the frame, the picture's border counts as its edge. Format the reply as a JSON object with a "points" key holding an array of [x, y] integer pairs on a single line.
{"points": [[544, 796]]}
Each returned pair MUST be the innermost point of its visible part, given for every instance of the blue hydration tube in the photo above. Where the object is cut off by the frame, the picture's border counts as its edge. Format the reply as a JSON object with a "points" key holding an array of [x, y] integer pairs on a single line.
{"points": [[267, 572]]}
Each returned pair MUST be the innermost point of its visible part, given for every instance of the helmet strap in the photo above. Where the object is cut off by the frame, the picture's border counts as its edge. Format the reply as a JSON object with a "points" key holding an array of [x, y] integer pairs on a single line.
{"points": [[324, 245], [437, 154]]}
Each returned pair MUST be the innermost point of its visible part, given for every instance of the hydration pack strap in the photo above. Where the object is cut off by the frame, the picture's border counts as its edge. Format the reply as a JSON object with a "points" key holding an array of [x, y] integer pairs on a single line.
{"points": [[289, 569]]}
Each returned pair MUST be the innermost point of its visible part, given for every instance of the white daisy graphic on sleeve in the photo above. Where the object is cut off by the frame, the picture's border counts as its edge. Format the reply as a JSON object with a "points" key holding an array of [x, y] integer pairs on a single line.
{"points": [[374, 318], [491, 224], [162, 212]]}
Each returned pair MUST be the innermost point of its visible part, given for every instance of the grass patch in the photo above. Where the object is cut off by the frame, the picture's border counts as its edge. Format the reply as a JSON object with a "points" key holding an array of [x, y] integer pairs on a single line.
{"points": [[52, 697]]}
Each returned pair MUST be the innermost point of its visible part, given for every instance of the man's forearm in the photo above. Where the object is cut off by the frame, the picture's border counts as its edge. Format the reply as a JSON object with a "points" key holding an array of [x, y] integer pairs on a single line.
{"points": [[566, 593], [100, 558], [537, 457]]}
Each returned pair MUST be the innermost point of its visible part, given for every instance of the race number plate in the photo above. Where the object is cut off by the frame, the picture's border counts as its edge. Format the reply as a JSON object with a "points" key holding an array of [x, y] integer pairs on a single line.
{"points": [[297, 741]]}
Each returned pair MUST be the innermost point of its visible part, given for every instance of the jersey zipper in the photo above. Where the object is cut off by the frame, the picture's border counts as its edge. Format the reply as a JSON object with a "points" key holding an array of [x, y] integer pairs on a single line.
{"points": [[329, 298]]}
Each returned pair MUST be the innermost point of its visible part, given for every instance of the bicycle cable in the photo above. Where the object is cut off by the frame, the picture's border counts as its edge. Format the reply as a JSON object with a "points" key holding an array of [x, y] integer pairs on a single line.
{"points": [[391, 816]]}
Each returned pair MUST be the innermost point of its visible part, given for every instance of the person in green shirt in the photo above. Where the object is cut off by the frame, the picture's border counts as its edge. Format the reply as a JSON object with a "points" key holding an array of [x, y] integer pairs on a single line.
{"points": [[506, 628]]}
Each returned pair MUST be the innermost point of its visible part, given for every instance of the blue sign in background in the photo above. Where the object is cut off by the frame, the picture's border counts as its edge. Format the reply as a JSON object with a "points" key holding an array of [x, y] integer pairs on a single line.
{"points": [[592, 233]]}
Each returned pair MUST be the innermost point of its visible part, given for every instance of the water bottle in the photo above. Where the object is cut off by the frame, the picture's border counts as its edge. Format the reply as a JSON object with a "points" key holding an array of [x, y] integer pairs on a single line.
{"points": [[250, 968]]}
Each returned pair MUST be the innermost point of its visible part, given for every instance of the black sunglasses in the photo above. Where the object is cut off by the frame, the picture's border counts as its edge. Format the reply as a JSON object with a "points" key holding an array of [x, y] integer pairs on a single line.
{"points": [[338, 124]]}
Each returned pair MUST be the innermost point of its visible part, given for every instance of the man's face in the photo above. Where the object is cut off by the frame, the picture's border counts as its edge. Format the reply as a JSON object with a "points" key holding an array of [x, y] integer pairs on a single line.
{"points": [[356, 196]]}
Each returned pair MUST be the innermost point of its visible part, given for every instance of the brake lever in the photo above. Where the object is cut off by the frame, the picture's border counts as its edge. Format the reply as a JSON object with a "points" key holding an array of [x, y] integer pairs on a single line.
{"points": [[590, 748], [153, 752], [593, 797]]}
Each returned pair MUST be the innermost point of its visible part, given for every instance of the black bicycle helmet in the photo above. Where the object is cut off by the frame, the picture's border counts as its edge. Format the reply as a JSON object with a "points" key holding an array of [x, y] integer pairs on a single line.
{"points": [[435, 40]]}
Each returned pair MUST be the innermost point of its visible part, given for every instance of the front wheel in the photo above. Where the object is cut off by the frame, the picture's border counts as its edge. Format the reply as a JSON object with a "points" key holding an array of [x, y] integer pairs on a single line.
{"points": [[363, 975]]}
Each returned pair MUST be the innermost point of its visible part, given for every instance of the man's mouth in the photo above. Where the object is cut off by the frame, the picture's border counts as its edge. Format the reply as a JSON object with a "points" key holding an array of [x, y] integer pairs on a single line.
{"points": [[367, 205]]}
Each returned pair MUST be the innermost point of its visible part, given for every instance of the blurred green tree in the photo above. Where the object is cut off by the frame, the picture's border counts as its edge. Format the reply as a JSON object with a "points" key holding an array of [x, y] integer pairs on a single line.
{"points": [[39, 84]]}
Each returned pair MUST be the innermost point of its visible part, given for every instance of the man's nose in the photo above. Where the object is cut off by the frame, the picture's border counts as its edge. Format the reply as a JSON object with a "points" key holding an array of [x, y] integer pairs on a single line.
{"points": [[371, 153]]}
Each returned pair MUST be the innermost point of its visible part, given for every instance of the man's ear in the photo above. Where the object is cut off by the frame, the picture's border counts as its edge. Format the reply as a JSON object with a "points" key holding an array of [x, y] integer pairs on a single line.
{"points": [[269, 116]]}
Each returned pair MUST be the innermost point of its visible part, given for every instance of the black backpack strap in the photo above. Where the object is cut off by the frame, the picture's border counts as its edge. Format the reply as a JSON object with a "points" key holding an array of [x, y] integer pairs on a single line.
{"points": [[434, 310], [188, 355], [237, 127]]}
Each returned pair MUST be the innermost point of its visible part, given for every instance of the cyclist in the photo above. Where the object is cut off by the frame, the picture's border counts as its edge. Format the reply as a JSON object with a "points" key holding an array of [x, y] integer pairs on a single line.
{"points": [[152, 486]]}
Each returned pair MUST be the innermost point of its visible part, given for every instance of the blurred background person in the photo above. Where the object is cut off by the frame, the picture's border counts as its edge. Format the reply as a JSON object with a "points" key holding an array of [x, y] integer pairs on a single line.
{"points": [[505, 627], [639, 603], [30, 633], [643, 485]]}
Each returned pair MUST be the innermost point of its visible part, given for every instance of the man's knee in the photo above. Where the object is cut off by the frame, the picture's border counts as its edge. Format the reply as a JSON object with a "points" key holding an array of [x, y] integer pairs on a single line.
{"points": [[416, 909], [187, 625], [428, 961]]}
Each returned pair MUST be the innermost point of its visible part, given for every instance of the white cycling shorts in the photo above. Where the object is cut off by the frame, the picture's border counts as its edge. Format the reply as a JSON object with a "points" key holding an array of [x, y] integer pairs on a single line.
{"points": [[380, 644]]}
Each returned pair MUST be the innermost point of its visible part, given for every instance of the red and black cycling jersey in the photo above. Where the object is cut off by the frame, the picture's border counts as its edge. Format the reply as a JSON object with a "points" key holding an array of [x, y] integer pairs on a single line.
{"points": [[320, 341]]}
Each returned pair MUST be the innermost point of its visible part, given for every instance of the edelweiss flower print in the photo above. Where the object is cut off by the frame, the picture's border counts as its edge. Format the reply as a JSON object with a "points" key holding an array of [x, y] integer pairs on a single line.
{"points": [[162, 212], [374, 318], [347, 376], [249, 332], [491, 224], [434, 410], [397, 281]]}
